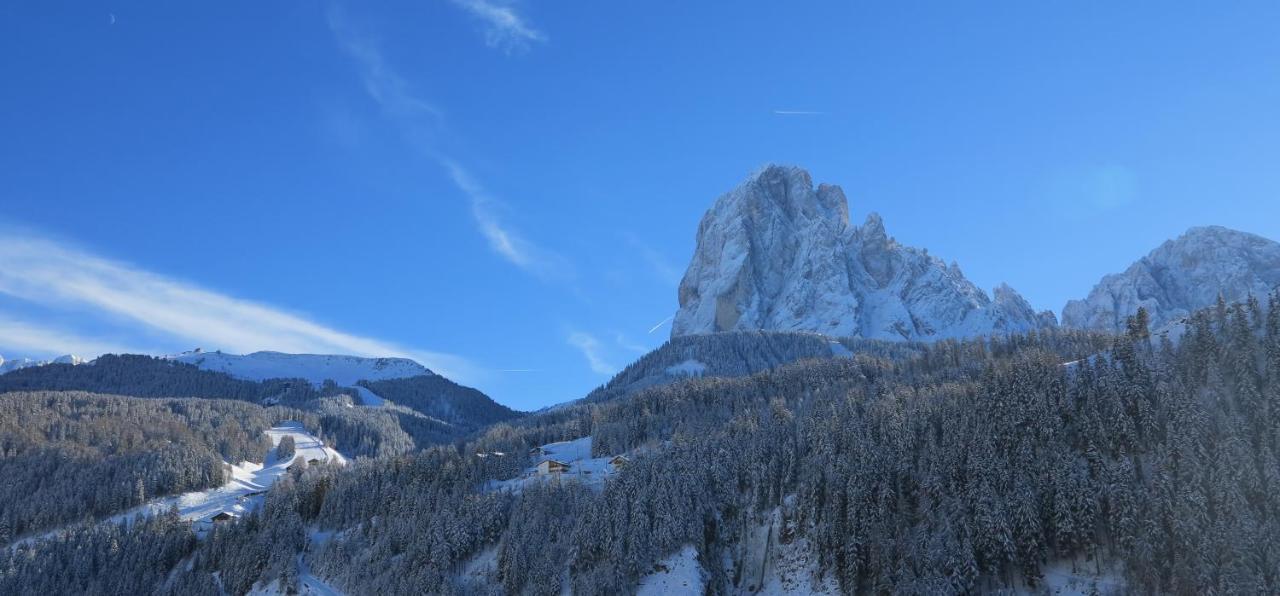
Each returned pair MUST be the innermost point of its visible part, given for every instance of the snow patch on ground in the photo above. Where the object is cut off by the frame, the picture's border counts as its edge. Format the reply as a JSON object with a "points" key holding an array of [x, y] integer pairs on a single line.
{"points": [[776, 560], [308, 585], [838, 350], [679, 573], [1065, 577], [591, 471], [688, 368], [481, 570]]}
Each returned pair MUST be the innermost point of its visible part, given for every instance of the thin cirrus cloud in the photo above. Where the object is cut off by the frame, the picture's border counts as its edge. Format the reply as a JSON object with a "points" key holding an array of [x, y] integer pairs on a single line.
{"points": [[43, 271], [503, 239], [421, 123], [37, 340], [504, 28], [593, 351]]}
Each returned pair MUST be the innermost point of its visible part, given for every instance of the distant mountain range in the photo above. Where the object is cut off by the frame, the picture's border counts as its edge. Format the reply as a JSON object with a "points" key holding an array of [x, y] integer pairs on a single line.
{"points": [[20, 363], [777, 254], [1180, 276], [406, 404]]}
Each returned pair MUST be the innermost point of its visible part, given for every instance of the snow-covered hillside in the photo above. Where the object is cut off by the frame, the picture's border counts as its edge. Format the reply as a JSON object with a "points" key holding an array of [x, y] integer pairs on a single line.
{"points": [[345, 371], [317, 368], [777, 254], [576, 454], [244, 492]]}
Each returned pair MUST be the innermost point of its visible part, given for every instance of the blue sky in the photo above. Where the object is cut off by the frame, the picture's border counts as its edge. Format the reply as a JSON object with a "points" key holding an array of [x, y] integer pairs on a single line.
{"points": [[510, 191]]}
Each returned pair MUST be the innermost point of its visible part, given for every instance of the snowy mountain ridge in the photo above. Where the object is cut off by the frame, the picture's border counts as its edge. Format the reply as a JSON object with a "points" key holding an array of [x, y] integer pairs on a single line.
{"points": [[777, 254], [1181, 276], [12, 365], [316, 368]]}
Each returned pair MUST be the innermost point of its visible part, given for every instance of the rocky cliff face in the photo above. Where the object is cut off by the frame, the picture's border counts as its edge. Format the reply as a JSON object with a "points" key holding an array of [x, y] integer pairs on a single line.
{"points": [[1180, 276], [778, 254]]}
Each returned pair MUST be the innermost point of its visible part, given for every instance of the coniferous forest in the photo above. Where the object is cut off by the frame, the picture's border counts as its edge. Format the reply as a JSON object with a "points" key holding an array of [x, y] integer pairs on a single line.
{"points": [[950, 468]]}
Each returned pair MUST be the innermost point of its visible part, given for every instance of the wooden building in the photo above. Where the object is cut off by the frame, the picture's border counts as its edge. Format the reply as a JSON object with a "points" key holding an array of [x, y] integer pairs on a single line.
{"points": [[552, 466], [223, 516]]}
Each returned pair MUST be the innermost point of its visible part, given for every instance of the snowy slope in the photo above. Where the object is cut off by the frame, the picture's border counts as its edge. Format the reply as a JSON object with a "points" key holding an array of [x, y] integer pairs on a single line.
{"points": [[778, 254], [591, 471], [343, 370], [678, 574]]}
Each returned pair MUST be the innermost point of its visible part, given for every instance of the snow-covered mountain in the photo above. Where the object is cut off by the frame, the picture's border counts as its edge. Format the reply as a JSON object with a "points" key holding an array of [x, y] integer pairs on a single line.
{"points": [[777, 254], [343, 370], [1182, 275], [12, 365]]}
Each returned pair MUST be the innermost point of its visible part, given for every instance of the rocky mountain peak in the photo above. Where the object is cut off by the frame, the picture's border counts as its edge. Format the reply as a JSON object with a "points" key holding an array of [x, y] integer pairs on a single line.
{"points": [[873, 230], [1180, 276], [775, 253]]}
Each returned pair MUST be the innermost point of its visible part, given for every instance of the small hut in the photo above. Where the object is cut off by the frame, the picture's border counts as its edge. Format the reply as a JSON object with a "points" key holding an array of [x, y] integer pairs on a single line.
{"points": [[222, 516], [619, 461]]}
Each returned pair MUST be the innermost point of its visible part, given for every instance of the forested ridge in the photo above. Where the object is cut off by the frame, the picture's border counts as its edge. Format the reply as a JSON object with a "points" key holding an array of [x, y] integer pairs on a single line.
{"points": [[147, 376], [964, 467], [733, 354], [440, 398], [434, 410]]}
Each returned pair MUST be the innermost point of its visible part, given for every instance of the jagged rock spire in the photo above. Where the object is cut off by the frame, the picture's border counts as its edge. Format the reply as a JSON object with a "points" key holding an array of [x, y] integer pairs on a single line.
{"points": [[777, 254]]}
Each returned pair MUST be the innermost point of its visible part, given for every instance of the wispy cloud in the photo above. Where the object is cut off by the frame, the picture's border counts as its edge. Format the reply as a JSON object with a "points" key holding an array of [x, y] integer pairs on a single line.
{"points": [[798, 113], [504, 28], [49, 273], [421, 123], [591, 350], [503, 239], [28, 339]]}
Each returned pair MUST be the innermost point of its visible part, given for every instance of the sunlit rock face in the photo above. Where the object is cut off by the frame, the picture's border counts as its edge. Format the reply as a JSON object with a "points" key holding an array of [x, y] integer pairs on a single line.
{"points": [[1182, 275], [776, 253]]}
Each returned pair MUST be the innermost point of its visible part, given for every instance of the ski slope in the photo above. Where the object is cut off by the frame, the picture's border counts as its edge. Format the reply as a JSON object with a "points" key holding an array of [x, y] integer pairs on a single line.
{"points": [[249, 481], [243, 493]]}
